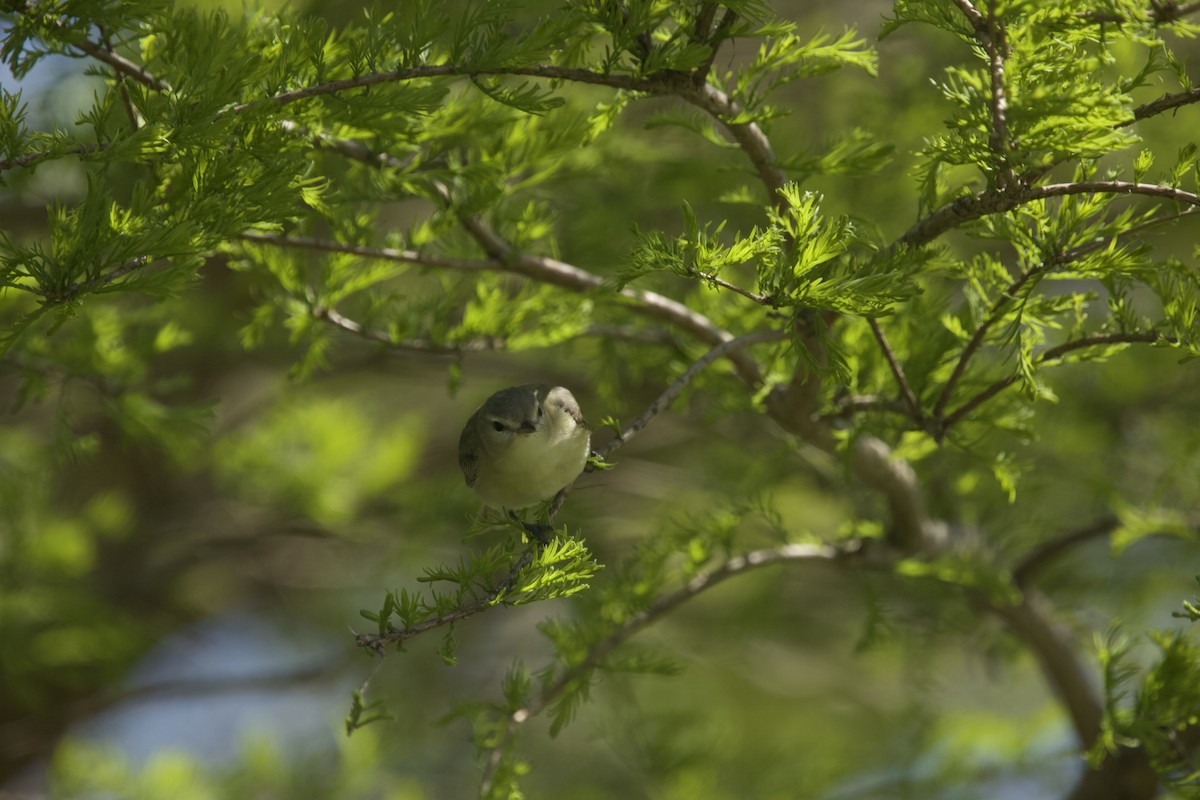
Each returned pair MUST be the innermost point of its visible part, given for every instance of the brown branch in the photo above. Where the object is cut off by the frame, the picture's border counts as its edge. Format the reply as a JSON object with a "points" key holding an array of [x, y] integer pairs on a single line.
{"points": [[122, 65], [655, 84], [1051, 644], [673, 391], [383, 253], [74, 290], [376, 642], [855, 404], [1110, 187], [1053, 354], [910, 397], [542, 269], [30, 159], [1167, 102], [594, 658], [996, 201], [430, 347], [748, 135], [972, 14], [977, 339], [716, 280], [713, 40], [1036, 559], [423, 346]]}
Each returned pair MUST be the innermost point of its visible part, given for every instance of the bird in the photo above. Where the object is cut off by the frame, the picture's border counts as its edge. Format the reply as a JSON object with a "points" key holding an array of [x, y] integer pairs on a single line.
{"points": [[523, 446]]}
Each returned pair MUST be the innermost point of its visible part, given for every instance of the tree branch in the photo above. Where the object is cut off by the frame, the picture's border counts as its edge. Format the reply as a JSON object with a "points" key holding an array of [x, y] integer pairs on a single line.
{"points": [[910, 397], [1037, 559], [542, 269], [977, 339], [376, 642], [1051, 644], [676, 388], [1053, 354], [713, 40], [594, 658], [1167, 102], [718, 281]]}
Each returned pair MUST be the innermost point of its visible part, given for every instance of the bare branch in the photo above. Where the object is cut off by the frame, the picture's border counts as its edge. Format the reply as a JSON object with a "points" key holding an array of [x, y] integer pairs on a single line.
{"points": [[716, 280], [31, 159], [676, 388], [910, 397], [655, 85], [996, 201], [1051, 644], [383, 253], [1037, 559], [122, 65], [855, 404], [1110, 187], [1053, 354], [424, 346], [748, 135], [977, 339], [542, 269], [1168, 102], [594, 658], [972, 14]]}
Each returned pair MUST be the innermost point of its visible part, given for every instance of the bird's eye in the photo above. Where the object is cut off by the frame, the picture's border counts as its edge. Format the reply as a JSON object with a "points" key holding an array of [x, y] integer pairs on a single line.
{"points": [[497, 426], [539, 412]]}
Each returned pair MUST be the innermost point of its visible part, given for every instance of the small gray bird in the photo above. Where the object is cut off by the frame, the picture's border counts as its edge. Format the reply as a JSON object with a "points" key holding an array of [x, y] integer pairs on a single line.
{"points": [[523, 445]]}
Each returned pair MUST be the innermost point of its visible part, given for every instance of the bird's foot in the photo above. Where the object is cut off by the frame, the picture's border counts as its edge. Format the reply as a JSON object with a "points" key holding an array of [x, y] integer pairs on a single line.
{"points": [[540, 533]]}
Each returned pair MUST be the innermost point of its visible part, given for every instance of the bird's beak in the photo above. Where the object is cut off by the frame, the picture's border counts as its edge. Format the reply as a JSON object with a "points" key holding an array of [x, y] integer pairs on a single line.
{"points": [[527, 426]]}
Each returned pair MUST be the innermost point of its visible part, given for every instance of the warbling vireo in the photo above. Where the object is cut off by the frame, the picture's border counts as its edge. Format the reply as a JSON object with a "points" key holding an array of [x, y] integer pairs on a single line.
{"points": [[523, 445]]}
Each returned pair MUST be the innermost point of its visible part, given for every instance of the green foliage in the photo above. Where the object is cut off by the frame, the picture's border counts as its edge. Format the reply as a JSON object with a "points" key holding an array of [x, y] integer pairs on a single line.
{"points": [[1154, 707], [243, 200]]}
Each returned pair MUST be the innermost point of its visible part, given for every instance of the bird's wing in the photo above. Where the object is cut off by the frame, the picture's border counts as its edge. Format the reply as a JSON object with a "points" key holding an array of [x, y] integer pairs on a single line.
{"points": [[468, 451]]}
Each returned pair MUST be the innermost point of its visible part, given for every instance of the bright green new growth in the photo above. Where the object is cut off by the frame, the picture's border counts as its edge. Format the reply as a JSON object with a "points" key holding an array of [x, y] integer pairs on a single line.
{"points": [[448, 182]]}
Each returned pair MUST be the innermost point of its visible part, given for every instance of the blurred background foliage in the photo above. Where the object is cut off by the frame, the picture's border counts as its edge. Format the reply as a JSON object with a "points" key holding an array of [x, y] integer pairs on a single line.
{"points": [[190, 526]]}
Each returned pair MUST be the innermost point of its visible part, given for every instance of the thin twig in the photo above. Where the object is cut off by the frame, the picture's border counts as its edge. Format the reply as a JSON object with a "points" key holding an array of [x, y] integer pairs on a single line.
{"points": [[977, 339], [910, 397], [31, 159], [716, 280], [423, 346], [994, 201], [122, 65], [594, 658], [538, 268], [1167, 102], [679, 384], [1037, 559], [376, 642], [1053, 354]]}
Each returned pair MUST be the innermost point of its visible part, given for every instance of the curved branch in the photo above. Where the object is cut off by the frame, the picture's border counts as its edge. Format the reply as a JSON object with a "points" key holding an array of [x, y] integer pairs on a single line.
{"points": [[676, 388], [594, 658], [1037, 559], [997, 201], [1053, 354], [1032, 620], [376, 642], [1109, 187], [544, 270], [910, 397], [749, 136]]}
